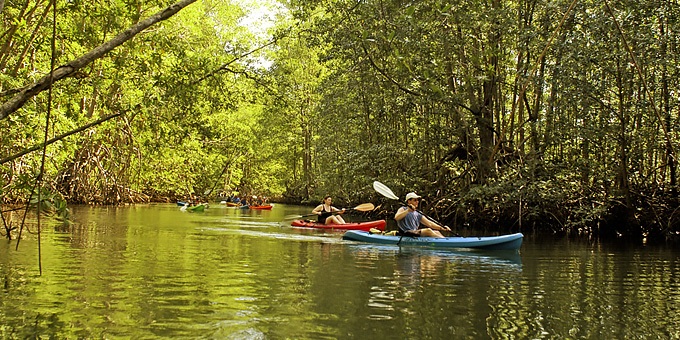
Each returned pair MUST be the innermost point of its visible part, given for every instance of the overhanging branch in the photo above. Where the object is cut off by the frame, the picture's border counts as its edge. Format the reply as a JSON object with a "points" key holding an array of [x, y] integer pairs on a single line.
{"points": [[72, 67], [57, 138]]}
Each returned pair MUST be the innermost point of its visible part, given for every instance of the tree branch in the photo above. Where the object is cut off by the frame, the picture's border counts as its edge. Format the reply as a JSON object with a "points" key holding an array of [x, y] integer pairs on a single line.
{"points": [[381, 71], [57, 138], [72, 67], [226, 66]]}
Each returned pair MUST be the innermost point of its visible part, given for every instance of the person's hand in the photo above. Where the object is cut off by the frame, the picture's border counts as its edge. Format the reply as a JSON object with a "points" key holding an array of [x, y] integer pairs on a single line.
{"points": [[446, 228], [411, 207], [343, 210]]}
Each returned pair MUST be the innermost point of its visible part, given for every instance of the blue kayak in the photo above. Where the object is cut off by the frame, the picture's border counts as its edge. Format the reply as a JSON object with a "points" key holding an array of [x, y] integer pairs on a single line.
{"points": [[503, 242]]}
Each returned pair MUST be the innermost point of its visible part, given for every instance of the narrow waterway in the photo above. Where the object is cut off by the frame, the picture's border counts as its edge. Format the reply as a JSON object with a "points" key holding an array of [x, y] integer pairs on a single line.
{"points": [[153, 271]]}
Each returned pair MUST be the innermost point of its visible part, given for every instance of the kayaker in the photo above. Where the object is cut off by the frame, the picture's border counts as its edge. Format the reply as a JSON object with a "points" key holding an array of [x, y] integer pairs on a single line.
{"points": [[409, 220], [329, 214]]}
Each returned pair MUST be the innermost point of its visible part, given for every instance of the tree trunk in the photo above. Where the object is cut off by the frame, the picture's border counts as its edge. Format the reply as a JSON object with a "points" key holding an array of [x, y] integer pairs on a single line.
{"points": [[485, 121], [306, 147], [623, 183], [665, 99]]}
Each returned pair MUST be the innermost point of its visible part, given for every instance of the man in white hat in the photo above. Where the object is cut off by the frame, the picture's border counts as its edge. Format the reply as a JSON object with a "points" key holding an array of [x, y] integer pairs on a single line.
{"points": [[409, 220]]}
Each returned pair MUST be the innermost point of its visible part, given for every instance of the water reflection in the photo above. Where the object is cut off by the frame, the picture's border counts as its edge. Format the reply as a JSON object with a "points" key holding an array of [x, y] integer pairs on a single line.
{"points": [[500, 258], [156, 272], [413, 279]]}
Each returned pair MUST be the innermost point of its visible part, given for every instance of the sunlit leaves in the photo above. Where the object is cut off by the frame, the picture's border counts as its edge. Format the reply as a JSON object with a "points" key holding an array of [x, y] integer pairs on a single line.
{"points": [[181, 127]]}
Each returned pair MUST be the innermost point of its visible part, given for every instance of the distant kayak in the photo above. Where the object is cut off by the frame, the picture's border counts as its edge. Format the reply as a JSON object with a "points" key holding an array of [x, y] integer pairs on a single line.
{"points": [[366, 226], [504, 242], [262, 207], [197, 208]]}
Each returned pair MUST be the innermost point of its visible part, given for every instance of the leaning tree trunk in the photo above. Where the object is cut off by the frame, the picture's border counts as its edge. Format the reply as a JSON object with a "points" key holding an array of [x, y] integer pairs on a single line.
{"points": [[72, 67]]}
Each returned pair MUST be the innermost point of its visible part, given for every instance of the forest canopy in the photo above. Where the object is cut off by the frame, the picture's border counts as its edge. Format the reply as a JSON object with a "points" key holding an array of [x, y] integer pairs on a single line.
{"points": [[555, 116]]}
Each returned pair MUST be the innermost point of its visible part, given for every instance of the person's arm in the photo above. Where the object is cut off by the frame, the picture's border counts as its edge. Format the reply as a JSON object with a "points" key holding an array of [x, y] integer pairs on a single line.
{"points": [[339, 211], [318, 209], [401, 213], [426, 221]]}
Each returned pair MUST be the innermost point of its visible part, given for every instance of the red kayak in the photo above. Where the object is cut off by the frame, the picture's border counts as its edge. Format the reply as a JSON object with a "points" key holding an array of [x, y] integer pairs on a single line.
{"points": [[365, 226], [262, 207]]}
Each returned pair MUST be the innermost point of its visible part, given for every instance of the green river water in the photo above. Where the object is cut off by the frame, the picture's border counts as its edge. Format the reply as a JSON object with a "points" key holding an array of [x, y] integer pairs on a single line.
{"points": [[155, 272]]}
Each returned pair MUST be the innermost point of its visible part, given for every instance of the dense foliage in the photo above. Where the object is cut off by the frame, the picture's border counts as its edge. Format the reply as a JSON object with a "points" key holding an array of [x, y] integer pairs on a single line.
{"points": [[508, 115], [505, 114], [186, 105]]}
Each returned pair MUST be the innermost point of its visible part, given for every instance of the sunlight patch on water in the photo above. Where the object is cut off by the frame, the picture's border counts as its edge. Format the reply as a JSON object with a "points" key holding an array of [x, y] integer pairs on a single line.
{"points": [[379, 317], [281, 236], [258, 224]]}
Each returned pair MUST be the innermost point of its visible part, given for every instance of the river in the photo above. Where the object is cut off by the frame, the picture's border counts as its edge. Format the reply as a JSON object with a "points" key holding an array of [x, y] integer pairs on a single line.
{"points": [[155, 272]]}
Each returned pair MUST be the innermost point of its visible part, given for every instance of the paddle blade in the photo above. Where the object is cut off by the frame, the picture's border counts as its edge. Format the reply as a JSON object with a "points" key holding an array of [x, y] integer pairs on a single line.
{"points": [[384, 190], [365, 207]]}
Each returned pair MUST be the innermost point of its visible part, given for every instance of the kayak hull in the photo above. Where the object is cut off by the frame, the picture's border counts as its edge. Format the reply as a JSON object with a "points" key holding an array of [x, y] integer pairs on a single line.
{"points": [[503, 242], [365, 226], [261, 207], [197, 208]]}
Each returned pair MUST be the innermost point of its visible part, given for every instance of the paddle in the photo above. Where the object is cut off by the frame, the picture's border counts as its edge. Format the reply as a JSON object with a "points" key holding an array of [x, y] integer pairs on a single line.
{"points": [[387, 192], [361, 207]]}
